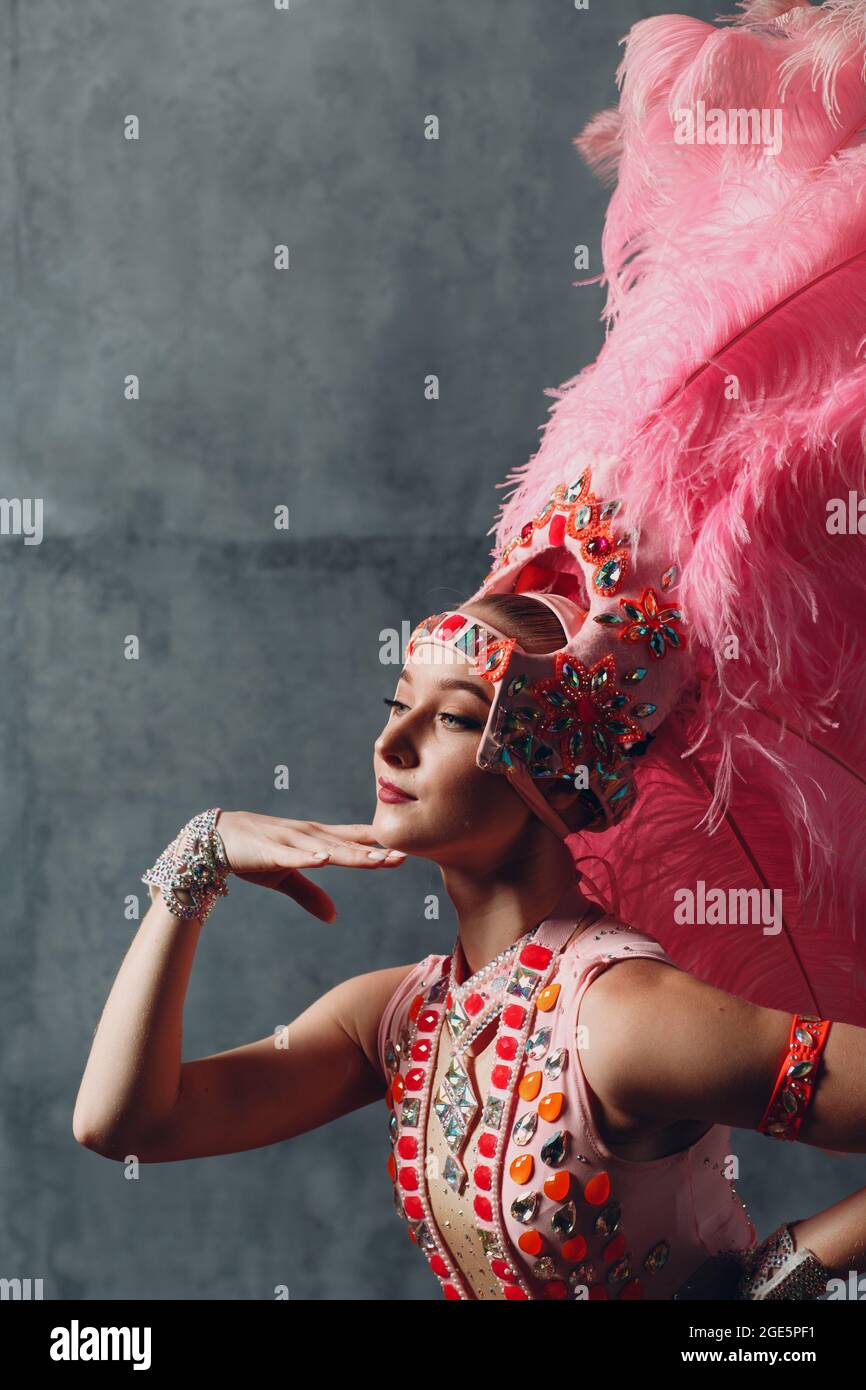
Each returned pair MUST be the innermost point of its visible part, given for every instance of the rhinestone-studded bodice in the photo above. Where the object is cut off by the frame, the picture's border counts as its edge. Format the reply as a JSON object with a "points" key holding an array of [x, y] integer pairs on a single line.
{"points": [[557, 1214]]}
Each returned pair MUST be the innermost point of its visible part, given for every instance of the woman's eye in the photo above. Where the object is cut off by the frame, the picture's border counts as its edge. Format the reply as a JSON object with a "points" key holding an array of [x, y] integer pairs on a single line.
{"points": [[458, 720]]}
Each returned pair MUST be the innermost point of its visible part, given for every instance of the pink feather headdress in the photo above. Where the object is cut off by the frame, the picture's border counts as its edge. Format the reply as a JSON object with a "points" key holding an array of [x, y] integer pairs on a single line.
{"points": [[731, 394]]}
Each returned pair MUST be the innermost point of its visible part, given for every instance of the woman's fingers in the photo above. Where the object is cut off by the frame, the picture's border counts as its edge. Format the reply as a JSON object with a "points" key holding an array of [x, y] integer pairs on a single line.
{"points": [[295, 885], [306, 848]]}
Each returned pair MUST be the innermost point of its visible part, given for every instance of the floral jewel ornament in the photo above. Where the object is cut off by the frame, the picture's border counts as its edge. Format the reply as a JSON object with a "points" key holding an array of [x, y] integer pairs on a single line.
{"points": [[584, 713]]}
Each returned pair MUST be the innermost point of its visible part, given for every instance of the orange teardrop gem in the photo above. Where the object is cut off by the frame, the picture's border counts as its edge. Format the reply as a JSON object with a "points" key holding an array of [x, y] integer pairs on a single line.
{"points": [[558, 1186], [547, 998], [398, 1087], [550, 1107], [521, 1168], [531, 1242], [597, 1190], [415, 1008], [530, 1085]]}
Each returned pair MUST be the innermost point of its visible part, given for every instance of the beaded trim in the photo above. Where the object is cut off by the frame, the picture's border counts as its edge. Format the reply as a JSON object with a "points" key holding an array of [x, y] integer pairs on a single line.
{"points": [[196, 863], [797, 1077], [775, 1270]]}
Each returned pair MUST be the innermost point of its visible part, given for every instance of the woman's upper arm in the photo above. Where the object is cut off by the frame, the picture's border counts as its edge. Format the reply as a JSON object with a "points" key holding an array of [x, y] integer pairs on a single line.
{"points": [[672, 1047], [304, 1075]]}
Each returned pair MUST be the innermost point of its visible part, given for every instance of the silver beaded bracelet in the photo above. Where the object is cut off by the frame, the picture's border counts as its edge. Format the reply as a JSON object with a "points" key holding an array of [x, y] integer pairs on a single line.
{"points": [[195, 863], [775, 1269]]}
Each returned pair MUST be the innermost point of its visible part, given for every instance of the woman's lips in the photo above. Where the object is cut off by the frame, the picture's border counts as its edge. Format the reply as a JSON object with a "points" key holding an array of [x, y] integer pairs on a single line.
{"points": [[388, 792]]}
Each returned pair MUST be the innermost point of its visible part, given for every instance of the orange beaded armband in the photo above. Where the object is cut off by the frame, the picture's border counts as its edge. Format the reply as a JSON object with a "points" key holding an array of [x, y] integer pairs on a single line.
{"points": [[797, 1076]]}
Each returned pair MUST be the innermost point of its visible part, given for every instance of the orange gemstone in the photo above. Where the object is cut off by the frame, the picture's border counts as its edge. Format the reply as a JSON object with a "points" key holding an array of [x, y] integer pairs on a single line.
{"points": [[531, 1242], [521, 1168], [550, 1107], [597, 1190], [547, 998], [558, 1186], [398, 1087], [416, 1007], [574, 1249], [530, 1085], [392, 1167]]}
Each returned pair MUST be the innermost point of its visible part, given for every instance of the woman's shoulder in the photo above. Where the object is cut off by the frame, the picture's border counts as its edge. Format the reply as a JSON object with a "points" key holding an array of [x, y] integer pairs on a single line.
{"points": [[610, 939]]}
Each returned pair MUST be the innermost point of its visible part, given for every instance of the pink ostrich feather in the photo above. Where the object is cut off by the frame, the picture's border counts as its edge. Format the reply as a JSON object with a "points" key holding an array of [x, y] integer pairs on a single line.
{"points": [[731, 389]]}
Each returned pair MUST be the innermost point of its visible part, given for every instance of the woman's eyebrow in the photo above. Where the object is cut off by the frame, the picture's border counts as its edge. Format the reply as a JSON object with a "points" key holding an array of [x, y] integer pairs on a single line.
{"points": [[454, 683]]}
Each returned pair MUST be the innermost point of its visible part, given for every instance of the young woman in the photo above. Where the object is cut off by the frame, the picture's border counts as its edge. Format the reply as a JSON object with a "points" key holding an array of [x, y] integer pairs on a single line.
{"points": [[622, 1113]]}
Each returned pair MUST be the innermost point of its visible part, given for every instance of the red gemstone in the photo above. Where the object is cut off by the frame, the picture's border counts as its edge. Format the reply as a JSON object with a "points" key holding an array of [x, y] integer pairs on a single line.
{"points": [[526, 531], [483, 1208], [557, 1288], [407, 1146], [409, 1179], [513, 1015], [615, 1249], [413, 1208], [487, 1145], [421, 1050], [506, 1047], [451, 625], [427, 1022], [414, 1079], [438, 1266], [513, 1291], [599, 545], [500, 1077], [503, 1271], [473, 1003], [534, 956], [482, 1177], [557, 529], [450, 1291]]}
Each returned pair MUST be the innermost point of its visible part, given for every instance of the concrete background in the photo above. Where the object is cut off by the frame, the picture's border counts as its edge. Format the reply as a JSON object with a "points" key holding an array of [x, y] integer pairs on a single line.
{"points": [[258, 647]]}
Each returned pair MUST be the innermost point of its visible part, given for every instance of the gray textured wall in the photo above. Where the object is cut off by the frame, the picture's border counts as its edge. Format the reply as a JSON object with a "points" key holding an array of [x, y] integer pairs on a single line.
{"points": [[258, 647]]}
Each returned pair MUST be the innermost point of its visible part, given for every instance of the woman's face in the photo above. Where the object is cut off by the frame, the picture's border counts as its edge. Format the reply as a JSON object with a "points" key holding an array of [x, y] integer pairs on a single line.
{"points": [[459, 812]]}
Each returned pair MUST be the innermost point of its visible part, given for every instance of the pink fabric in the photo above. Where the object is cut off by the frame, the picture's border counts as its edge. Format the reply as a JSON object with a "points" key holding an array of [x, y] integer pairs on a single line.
{"points": [[683, 1199]]}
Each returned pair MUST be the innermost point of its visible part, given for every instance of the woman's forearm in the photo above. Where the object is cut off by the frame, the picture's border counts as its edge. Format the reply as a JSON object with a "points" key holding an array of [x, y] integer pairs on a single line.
{"points": [[132, 1075], [837, 1236]]}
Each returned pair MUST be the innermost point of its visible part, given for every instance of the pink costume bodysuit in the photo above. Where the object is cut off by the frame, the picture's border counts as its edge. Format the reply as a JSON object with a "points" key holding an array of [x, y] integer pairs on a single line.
{"points": [[547, 1210]]}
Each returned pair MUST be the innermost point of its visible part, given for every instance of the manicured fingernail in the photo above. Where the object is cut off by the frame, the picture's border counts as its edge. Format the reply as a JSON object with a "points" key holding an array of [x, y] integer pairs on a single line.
{"points": [[376, 854], [396, 854], [322, 854]]}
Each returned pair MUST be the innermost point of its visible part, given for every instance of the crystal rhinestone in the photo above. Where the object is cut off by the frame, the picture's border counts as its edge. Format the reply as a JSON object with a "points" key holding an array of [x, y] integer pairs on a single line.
{"points": [[392, 1061], [537, 1045], [608, 1219], [516, 685], [608, 574], [669, 577], [525, 1127], [556, 1062], [523, 1208], [489, 1241], [393, 1127], [523, 982], [454, 1174], [564, 1219], [632, 677], [410, 1111], [618, 1273], [657, 1257], [423, 1236], [582, 1274], [803, 1037], [789, 1102], [610, 509], [439, 990], [799, 1069], [643, 711], [545, 1268], [608, 619], [493, 1112], [582, 518], [554, 1150]]}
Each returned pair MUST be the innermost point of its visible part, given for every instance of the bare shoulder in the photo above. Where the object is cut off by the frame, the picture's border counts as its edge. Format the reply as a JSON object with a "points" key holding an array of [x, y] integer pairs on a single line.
{"points": [[358, 1004], [657, 1041]]}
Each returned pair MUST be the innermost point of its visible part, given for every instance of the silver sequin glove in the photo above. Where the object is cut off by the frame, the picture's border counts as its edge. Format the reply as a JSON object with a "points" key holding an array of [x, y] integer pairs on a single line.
{"points": [[191, 872], [775, 1269]]}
